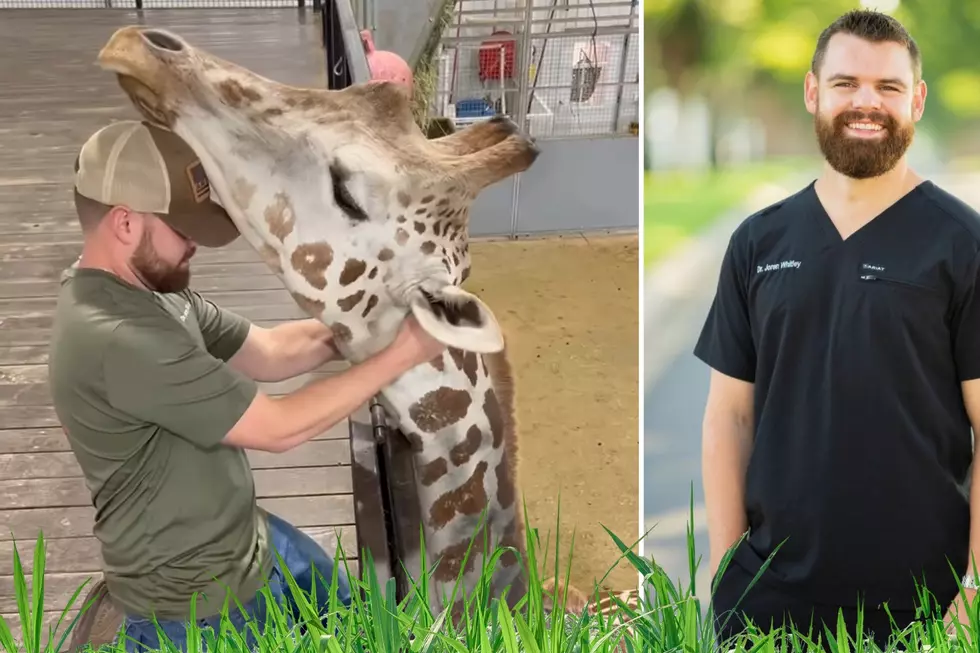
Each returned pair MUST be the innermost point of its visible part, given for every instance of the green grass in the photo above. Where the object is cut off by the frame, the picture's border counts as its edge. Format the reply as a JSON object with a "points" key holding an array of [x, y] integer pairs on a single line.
{"points": [[668, 619], [679, 204]]}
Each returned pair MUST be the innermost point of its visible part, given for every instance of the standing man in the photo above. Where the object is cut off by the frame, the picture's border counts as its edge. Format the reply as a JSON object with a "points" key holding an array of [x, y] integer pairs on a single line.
{"points": [[156, 389], [844, 342]]}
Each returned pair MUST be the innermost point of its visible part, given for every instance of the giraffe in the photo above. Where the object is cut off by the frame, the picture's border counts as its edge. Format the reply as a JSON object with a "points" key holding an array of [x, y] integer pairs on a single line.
{"points": [[365, 221]]}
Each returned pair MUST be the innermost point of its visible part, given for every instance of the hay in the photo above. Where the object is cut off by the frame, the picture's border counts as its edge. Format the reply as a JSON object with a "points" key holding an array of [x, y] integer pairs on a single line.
{"points": [[426, 72]]}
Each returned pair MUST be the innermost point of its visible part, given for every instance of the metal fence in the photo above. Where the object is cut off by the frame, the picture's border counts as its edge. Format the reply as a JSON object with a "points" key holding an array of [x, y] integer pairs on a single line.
{"points": [[155, 4], [559, 68]]}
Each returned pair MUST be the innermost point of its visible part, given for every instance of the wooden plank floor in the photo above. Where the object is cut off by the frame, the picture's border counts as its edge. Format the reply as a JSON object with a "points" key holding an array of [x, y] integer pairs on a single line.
{"points": [[52, 97]]}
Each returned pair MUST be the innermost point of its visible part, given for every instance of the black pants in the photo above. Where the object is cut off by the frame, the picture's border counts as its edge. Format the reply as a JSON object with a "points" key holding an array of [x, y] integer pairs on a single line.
{"points": [[767, 607]]}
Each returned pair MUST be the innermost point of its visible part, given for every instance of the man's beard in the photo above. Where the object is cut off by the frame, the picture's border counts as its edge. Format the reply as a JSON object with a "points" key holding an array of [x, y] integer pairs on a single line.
{"points": [[155, 273], [859, 158]]}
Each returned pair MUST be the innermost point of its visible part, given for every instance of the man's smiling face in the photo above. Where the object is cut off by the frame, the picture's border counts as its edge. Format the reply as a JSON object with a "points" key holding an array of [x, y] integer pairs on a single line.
{"points": [[865, 100]]}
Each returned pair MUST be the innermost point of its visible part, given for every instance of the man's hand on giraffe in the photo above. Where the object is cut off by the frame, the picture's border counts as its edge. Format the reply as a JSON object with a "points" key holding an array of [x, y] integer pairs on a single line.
{"points": [[416, 343]]}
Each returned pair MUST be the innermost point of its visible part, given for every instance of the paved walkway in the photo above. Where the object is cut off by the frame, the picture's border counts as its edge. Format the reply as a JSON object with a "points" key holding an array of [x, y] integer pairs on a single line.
{"points": [[676, 385]]}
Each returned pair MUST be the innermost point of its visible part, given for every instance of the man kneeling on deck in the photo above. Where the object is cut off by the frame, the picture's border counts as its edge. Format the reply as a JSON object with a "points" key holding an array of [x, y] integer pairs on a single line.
{"points": [[156, 389]]}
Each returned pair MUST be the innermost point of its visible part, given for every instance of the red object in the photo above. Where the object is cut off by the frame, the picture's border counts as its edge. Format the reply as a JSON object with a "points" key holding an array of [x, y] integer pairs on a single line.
{"points": [[490, 56], [385, 65]]}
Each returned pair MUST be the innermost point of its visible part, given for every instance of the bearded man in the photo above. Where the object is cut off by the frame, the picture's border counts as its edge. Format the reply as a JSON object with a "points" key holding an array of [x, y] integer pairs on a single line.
{"points": [[844, 346], [156, 389]]}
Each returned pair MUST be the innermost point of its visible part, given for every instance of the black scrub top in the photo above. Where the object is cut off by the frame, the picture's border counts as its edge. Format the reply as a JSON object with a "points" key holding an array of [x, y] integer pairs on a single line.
{"points": [[856, 348]]}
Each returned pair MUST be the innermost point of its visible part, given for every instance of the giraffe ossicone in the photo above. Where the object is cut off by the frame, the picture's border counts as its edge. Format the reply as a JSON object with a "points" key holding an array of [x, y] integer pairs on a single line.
{"points": [[365, 220]]}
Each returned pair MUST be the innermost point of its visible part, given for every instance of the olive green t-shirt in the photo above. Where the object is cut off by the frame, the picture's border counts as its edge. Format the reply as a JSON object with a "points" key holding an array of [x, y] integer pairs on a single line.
{"points": [[141, 386]]}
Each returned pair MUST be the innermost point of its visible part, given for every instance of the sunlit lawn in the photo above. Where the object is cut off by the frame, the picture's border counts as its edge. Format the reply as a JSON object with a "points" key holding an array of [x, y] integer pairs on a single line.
{"points": [[677, 205]]}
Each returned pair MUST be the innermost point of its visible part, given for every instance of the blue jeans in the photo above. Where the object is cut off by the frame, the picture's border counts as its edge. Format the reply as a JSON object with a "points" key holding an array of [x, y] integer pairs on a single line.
{"points": [[302, 557]]}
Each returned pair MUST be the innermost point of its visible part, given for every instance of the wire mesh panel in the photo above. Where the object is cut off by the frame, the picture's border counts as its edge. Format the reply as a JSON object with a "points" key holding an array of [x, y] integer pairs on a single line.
{"points": [[151, 4], [559, 68]]}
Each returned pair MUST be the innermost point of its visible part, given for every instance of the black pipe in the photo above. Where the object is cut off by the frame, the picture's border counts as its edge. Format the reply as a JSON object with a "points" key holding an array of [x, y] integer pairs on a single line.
{"points": [[338, 72], [381, 434]]}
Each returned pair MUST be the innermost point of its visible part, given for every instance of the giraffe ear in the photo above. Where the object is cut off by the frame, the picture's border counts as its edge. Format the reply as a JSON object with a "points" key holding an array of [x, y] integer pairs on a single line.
{"points": [[458, 319]]}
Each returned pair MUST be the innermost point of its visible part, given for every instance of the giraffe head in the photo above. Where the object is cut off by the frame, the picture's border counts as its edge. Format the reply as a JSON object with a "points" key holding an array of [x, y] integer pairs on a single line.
{"points": [[363, 217]]}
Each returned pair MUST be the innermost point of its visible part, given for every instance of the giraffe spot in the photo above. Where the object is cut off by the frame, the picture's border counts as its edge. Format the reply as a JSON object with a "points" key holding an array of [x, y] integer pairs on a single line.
{"points": [[450, 559], [373, 273], [433, 471], [438, 363], [505, 485], [470, 498], [414, 440], [242, 192], [470, 366], [491, 407], [270, 257], [421, 211], [401, 236], [462, 451], [483, 361], [419, 227], [311, 260], [427, 199], [458, 356], [353, 269], [371, 303], [385, 255], [440, 408], [312, 307], [443, 202], [271, 112], [235, 95], [400, 219], [510, 540], [455, 259], [348, 303], [341, 332], [466, 273], [445, 264], [404, 198], [280, 217], [428, 247]]}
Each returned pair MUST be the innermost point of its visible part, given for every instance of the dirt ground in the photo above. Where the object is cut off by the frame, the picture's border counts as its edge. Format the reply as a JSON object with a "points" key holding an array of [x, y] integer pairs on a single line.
{"points": [[569, 310]]}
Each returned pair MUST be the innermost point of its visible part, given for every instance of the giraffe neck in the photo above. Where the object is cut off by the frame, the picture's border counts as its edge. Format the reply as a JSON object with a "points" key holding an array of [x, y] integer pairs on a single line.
{"points": [[456, 413]]}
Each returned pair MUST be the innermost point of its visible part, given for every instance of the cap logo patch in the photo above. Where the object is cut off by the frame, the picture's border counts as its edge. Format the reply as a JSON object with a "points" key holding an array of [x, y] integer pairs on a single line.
{"points": [[200, 185]]}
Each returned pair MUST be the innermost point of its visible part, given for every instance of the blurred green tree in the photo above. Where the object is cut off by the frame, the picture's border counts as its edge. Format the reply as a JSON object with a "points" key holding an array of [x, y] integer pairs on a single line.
{"points": [[728, 51]]}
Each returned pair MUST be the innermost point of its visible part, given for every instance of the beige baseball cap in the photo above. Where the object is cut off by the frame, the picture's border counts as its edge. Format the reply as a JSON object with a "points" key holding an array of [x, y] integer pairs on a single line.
{"points": [[152, 170]]}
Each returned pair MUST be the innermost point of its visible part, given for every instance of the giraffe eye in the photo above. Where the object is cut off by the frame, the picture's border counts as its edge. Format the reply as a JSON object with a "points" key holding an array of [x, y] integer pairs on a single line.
{"points": [[342, 195]]}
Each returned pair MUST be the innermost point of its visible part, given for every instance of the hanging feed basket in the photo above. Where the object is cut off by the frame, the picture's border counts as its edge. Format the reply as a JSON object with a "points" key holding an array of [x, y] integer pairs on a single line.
{"points": [[490, 56]]}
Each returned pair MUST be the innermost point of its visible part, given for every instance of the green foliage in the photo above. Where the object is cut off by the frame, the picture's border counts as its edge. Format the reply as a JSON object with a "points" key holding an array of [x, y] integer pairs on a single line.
{"points": [[667, 619], [374, 622], [680, 204], [755, 44]]}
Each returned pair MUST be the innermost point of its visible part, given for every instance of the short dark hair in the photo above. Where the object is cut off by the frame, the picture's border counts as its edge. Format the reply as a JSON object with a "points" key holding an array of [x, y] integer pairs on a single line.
{"points": [[90, 212], [871, 26]]}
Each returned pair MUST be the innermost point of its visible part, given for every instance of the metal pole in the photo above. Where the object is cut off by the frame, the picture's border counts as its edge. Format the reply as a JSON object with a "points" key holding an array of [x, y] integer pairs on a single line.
{"points": [[522, 108], [622, 72]]}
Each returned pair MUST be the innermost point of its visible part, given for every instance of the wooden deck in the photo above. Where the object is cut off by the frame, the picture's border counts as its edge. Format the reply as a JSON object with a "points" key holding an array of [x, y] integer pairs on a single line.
{"points": [[52, 97]]}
